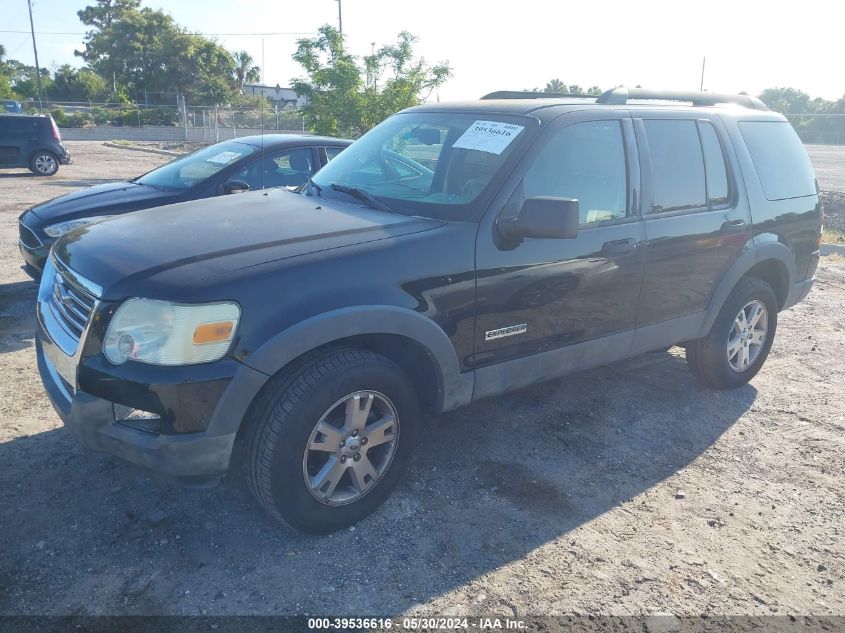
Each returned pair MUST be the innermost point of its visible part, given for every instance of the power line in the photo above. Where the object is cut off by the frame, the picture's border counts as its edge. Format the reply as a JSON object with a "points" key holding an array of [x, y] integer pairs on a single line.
{"points": [[269, 34]]}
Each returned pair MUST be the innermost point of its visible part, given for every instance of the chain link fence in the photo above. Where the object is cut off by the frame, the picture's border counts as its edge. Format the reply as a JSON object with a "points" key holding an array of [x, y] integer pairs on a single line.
{"points": [[824, 137], [198, 123]]}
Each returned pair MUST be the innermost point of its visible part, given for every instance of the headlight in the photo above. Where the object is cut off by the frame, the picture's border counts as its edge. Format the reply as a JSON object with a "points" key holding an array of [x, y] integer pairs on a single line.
{"points": [[164, 333], [59, 229]]}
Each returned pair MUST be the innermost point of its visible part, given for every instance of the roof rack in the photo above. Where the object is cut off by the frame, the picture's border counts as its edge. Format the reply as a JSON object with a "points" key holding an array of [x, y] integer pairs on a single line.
{"points": [[620, 96], [520, 94]]}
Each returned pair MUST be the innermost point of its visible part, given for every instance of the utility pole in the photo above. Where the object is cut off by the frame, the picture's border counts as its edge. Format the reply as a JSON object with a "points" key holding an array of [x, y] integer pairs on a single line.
{"points": [[35, 50], [703, 62], [339, 17]]}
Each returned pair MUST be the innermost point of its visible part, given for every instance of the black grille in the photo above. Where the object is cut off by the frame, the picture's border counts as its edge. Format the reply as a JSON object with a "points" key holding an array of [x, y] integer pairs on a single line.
{"points": [[71, 304], [28, 238]]}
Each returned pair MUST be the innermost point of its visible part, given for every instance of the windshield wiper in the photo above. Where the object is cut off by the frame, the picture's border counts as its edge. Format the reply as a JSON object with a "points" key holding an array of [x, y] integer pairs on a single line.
{"points": [[363, 196]]}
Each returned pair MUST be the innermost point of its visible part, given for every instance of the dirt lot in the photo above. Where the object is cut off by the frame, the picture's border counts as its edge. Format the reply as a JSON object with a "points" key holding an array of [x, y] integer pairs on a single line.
{"points": [[561, 498]]}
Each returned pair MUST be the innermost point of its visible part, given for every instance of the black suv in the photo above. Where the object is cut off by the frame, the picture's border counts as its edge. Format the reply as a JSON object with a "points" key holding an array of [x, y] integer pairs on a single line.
{"points": [[31, 141], [518, 240]]}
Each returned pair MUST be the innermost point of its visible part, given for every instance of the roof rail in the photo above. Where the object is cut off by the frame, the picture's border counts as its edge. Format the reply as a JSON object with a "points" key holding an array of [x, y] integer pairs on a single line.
{"points": [[524, 94], [620, 96]]}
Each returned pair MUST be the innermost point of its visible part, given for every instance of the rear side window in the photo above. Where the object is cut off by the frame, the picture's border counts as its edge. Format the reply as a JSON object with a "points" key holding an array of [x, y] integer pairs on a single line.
{"points": [[714, 165], [780, 159], [331, 152], [677, 165]]}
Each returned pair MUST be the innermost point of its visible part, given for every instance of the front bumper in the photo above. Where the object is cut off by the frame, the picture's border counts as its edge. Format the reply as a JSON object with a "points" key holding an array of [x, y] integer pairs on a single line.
{"points": [[34, 259], [33, 244], [191, 457]]}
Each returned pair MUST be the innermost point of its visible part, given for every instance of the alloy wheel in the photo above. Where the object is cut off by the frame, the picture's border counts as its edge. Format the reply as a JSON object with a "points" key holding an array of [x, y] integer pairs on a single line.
{"points": [[45, 164], [351, 447], [748, 335]]}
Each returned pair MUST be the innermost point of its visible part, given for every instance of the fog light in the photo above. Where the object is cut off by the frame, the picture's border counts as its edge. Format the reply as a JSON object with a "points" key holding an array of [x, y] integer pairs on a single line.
{"points": [[137, 418]]}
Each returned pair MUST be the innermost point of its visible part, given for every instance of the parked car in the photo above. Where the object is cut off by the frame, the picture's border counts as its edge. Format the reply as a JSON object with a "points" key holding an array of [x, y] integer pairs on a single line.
{"points": [[554, 235], [32, 141], [9, 105], [251, 162]]}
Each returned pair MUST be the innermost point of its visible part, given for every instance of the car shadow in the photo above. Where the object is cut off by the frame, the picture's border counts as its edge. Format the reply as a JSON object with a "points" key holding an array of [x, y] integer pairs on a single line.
{"points": [[18, 174], [489, 484], [17, 315]]}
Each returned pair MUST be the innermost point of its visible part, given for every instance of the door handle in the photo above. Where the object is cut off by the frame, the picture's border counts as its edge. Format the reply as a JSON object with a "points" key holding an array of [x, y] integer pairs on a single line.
{"points": [[619, 247], [733, 226]]}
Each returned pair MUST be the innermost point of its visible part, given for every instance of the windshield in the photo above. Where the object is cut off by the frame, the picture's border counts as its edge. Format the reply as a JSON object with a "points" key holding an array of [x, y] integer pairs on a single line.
{"points": [[190, 170], [434, 164]]}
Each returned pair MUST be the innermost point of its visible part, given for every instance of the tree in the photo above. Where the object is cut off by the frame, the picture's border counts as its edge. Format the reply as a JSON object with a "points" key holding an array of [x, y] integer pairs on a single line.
{"points": [[786, 100], [23, 80], [556, 85], [144, 51], [345, 98], [246, 72], [98, 50], [71, 84], [6, 91]]}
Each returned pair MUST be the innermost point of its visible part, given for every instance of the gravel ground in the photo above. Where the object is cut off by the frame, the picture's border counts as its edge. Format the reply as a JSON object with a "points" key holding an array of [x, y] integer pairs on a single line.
{"points": [[624, 490]]}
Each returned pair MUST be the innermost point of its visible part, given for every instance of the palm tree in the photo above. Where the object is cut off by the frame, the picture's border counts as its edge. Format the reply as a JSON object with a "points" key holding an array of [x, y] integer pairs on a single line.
{"points": [[245, 69]]}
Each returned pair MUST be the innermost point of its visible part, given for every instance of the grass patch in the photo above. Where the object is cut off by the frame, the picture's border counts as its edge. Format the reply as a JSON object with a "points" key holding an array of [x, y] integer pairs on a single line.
{"points": [[832, 236]]}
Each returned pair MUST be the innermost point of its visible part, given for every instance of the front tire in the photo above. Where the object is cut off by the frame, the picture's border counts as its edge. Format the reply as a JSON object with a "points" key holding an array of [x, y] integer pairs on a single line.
{"points": [[331, 439], [44, 164], [740, 339]]}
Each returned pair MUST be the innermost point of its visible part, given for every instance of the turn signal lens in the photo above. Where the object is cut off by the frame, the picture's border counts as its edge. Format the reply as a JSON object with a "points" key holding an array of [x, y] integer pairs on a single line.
{"points": [[213, 332]]}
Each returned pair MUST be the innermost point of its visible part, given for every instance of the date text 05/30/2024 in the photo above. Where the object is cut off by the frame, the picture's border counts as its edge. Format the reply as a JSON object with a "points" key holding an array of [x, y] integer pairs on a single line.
{"points": [[415, 624]]}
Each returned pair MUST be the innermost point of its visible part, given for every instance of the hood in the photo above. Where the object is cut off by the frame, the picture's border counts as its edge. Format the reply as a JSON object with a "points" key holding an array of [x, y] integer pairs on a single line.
{"points": [[182, 243], [100, 200]]}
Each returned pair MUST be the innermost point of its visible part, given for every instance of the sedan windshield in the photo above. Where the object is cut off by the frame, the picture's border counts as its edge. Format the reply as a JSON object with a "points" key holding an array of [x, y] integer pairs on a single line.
{"points": [[188, 171], [434, 164]]}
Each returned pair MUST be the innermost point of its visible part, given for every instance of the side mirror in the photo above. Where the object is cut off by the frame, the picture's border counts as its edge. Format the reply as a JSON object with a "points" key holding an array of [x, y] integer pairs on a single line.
{"points": [[235, 186], [543, 217]]}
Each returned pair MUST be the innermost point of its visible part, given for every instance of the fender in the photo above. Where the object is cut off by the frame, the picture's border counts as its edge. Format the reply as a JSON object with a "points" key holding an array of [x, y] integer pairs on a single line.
{"points": [[753, 255], [455, 387]]}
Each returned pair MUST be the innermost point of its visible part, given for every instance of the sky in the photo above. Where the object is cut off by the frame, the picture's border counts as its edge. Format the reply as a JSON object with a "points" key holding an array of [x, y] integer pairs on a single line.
{"points": [[748, 44]]}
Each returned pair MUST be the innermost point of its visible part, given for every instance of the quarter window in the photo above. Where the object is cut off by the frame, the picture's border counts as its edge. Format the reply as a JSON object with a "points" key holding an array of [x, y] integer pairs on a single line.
{"points": [[714, 165], [780, 159], [677, 165], [584, 161]]}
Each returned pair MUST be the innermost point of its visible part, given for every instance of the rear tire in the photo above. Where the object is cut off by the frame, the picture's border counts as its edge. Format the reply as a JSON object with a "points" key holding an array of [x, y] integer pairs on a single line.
{"points": [[323, 452], [44, 164], [740, 339]]}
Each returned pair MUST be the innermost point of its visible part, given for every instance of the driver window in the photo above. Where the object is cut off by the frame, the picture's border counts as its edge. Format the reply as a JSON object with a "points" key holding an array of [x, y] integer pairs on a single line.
{"points": [[585, 161]]}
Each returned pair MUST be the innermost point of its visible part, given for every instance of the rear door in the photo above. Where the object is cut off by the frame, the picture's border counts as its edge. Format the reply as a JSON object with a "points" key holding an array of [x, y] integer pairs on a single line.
{"points": [[696, 221], [11, 140]]}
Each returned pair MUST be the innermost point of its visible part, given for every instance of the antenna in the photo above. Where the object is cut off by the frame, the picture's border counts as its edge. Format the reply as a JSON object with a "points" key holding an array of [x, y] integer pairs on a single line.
{"points": [[703, 62]]}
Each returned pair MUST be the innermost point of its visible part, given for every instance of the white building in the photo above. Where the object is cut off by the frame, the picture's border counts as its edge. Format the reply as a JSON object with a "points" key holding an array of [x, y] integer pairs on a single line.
{"points": [[284, 97]]}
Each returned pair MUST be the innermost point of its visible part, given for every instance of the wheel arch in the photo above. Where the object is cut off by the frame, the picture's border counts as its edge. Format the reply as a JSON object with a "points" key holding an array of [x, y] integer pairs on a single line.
{"points": [[772, 262], [411, 340], [41, 150]]}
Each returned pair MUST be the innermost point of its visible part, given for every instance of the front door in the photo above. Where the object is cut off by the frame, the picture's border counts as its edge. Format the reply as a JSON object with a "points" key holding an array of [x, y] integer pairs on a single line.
{"points": [[550, 294]]}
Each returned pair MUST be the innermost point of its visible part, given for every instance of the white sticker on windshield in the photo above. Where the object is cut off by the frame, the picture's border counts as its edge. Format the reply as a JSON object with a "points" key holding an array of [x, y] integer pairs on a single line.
{"points": [[224, 158], [488, 136]]}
